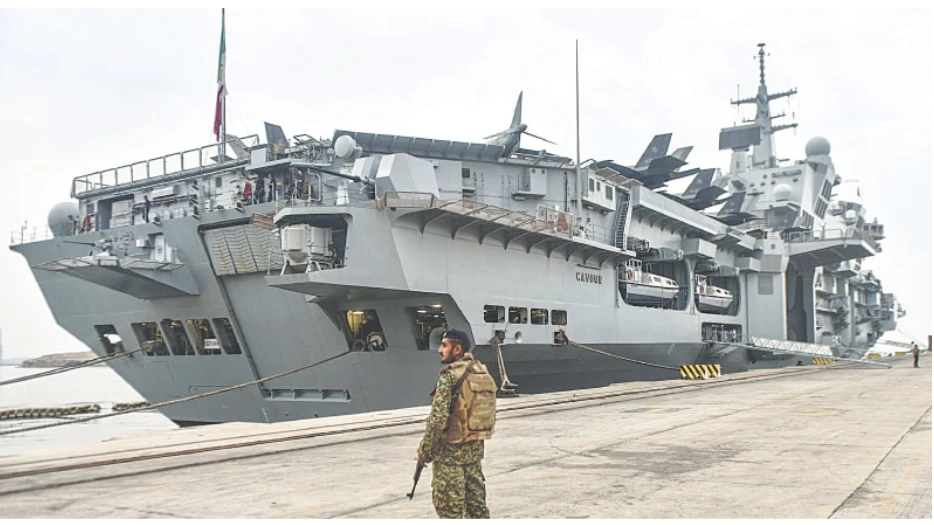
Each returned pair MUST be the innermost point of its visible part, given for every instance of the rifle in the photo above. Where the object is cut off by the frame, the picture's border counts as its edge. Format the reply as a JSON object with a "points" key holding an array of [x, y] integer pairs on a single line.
{"points": [[457, 385], [418, 473]]}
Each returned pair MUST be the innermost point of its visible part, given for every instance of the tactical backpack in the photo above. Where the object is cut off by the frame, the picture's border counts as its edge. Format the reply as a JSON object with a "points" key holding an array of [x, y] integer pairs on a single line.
{"points": [[473, 406]]}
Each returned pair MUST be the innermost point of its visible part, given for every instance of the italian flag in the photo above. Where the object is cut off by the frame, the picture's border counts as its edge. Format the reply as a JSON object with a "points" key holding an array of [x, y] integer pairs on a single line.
{"points": [[221, 81]]}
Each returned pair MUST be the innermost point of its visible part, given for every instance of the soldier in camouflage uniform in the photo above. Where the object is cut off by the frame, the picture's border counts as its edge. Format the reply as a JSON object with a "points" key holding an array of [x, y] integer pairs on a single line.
{"points": [[458, 485]]}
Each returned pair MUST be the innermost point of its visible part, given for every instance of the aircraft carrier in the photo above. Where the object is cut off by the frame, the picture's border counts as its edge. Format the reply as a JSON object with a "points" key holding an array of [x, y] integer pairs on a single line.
{"points": [[232, 262]]}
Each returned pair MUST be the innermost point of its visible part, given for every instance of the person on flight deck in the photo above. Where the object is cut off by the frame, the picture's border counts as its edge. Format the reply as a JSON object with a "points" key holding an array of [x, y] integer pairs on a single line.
{"points": [[146, 206], [259, 190], [915, 352], [247, 192]]}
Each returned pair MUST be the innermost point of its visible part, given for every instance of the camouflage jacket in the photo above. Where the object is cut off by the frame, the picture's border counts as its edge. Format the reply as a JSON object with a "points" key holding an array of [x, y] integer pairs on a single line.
{"points": [[432, 447]]}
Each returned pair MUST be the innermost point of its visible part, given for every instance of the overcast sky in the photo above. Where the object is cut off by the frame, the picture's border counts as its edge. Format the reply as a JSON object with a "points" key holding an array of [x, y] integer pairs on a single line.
{"points": [[88, 90]]}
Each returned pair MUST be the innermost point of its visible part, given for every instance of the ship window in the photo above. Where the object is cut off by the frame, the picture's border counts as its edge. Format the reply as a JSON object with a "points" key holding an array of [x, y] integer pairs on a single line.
{"points": [[107, 335], [559, 317], [494, 313], [427, 323], [206, 342], [218, 181], [366, 332], [465, 173], [598, 185], [609, 192], [175, 335], [539, 316], [150, 338], [225, 333], [590, 185], [765, 285], [518, 315]]}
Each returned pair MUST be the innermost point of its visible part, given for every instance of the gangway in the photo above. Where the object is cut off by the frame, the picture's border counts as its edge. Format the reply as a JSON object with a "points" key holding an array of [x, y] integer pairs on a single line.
{"points": [[780, 346]]}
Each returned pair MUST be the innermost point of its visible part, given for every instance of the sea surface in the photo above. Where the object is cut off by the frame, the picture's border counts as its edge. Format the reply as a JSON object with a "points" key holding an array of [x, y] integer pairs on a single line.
{"points": [[93, 384]]}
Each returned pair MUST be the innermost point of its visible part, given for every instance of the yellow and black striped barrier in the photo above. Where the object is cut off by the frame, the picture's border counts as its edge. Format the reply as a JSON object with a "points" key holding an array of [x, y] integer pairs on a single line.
{"points": [[898, 353], [823, 361], [873, 355], [699, 371], [40, 413]]}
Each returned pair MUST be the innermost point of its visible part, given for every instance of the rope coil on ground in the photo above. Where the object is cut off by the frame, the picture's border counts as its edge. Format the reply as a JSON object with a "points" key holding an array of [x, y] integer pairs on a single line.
{"points": [[172, 402]]}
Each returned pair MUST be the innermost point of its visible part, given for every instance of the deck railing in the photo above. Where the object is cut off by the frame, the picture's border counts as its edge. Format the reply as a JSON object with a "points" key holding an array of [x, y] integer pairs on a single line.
{"points": [[176, 162]]}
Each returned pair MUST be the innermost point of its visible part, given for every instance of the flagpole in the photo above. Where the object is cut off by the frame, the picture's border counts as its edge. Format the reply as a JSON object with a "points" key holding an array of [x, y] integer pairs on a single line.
{"points": [[223, 145]]}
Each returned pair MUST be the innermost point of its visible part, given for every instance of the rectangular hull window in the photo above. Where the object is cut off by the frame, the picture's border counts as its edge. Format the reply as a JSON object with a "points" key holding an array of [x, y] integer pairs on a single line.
{"points": [[559, 317], [494, 314], [175, 335], [539, 316], [150, 339], [206, 342], [425, 320], [225, 333], [518, 315], [366, 332], [110, 340]]}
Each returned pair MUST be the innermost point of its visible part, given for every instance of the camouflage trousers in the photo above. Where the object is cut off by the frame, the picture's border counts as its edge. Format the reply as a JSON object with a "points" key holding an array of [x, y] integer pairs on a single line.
{"points": [[459, 491]]}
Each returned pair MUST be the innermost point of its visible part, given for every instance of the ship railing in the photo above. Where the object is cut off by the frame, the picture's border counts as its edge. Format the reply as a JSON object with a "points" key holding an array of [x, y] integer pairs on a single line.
{"points": [[758, 224], [829, 235], [518, 219], [26, 234], [197, 158]]}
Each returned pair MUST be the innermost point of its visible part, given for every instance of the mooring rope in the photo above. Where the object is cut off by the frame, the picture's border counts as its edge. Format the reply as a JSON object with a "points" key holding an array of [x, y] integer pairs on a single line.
{"points": [[172, 402], [90, 362], [654, 365]]}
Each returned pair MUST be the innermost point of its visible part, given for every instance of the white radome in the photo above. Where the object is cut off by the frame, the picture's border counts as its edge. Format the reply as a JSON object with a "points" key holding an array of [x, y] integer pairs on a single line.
{"points": [[817, 146], [782, 192]]}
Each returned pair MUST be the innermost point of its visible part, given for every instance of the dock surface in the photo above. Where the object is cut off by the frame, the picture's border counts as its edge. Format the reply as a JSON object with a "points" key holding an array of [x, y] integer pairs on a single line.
{"points": [[841, 441]]}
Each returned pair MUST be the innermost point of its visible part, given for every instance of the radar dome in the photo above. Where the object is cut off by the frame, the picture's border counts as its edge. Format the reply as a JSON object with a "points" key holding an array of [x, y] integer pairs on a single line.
{"points": [[849, 216], [58, 218], [345, 146], [817, 146], [782, 192]]}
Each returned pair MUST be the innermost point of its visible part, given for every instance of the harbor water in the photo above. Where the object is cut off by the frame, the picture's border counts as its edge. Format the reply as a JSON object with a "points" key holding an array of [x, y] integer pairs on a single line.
{"points": [[99, 385]]}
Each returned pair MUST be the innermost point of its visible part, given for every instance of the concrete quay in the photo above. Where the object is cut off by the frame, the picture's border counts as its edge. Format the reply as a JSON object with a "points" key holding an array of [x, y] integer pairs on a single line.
{"points": [[808, 442]]}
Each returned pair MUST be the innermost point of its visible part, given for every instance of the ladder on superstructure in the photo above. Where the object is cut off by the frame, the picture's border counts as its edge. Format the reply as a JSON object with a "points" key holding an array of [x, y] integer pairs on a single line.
{"points": [[622, 210]]}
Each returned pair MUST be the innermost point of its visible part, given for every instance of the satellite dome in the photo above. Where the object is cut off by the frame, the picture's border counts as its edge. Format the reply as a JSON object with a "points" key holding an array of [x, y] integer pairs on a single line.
{"points": [[849, 216], [817, 146], [345, 147], [58, 218], [782, 192]]}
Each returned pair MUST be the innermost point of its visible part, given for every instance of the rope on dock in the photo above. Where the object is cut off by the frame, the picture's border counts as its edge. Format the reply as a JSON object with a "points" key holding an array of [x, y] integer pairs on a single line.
{"points": [[90, 362], [173, 402], [39, 413]]}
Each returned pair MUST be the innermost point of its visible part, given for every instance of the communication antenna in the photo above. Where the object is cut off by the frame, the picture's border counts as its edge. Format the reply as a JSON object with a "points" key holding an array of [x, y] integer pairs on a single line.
{"points": [[577, 111]]}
